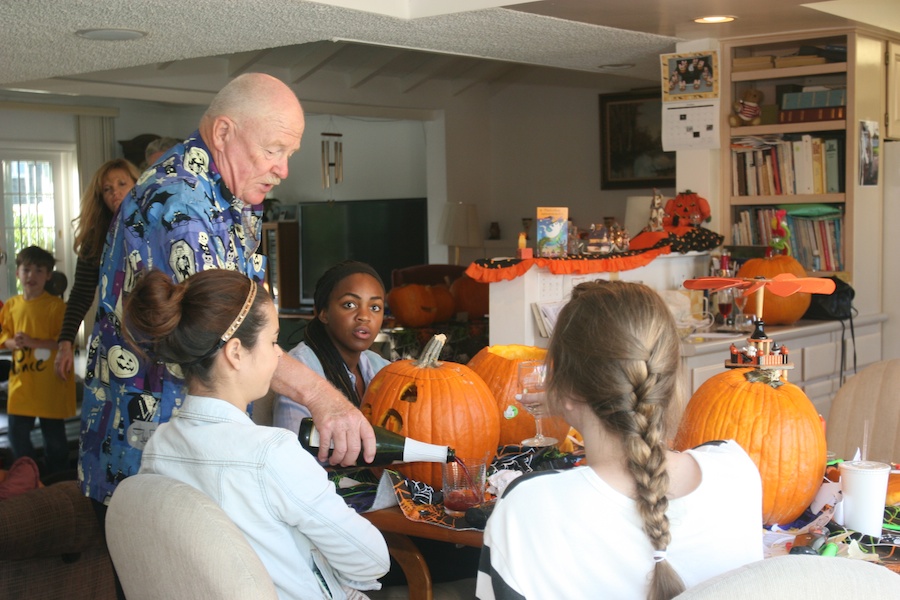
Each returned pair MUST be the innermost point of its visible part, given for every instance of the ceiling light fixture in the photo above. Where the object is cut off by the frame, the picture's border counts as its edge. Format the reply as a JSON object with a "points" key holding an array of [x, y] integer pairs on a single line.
{"points": [[111, 35], [616, 66], [714, 19]]}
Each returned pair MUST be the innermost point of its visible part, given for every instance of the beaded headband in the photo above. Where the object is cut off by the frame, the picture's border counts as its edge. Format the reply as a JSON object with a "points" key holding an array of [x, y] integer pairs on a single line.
{"points": [[245, 310]]}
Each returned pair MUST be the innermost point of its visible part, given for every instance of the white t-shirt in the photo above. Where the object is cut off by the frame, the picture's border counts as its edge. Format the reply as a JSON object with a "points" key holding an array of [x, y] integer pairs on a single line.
{"points": [[570, 535]]}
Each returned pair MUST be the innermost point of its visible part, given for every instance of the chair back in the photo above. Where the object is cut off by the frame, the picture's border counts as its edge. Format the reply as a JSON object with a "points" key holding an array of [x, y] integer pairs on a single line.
{"points": [[868, 397], [432, 274], [812, 576], [170, 540]]}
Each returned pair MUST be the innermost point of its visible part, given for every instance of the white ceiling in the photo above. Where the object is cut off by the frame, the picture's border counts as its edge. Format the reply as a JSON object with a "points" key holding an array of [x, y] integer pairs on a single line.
{"points": [[554, 41]]}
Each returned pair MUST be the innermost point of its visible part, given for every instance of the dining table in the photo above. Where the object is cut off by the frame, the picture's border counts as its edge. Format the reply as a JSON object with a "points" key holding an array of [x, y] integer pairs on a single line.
{"points": [[398, 532]]}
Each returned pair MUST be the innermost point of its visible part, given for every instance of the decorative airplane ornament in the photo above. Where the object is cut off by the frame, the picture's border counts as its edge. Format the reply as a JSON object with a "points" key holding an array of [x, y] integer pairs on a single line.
{"points": [[783, 284]]}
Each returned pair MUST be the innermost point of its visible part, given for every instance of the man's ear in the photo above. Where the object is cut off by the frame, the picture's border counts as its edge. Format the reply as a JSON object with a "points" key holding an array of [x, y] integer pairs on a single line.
{"points": [[222, 130]]}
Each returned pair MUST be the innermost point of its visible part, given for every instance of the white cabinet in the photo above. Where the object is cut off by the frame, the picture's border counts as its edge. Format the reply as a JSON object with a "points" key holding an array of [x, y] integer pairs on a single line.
{"points": [[815, 350]]}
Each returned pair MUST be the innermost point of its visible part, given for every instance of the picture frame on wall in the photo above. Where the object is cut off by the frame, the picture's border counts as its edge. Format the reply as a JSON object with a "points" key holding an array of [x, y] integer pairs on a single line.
{"points": [[631, 154], [690, 76]]}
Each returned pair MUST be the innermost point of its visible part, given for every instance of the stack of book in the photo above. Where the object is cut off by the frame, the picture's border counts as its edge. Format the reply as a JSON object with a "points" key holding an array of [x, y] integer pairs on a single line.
{"points": [[813, 105], [785, 165], [752, 63], [798, 60]]}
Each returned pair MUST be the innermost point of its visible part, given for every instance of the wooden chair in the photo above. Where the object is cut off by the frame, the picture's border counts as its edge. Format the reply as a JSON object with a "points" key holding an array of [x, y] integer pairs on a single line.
{"points": [[869, 397]]}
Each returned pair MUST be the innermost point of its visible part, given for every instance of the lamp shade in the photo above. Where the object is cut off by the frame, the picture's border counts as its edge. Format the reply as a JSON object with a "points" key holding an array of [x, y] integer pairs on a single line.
{"points": [[460, 226]]}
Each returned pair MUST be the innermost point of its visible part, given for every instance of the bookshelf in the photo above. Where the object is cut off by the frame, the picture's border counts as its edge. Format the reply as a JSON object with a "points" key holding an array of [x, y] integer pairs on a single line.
{"points": [[281, 245], [778, 165]]}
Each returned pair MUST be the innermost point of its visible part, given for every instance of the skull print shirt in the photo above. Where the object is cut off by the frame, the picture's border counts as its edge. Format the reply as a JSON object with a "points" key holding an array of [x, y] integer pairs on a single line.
{"points": [[180, 218]]}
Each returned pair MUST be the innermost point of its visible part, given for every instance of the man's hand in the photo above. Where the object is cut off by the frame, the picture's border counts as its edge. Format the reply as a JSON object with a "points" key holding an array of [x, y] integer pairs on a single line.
{"points": [[337, 420], [65, 360], [345, 427]]}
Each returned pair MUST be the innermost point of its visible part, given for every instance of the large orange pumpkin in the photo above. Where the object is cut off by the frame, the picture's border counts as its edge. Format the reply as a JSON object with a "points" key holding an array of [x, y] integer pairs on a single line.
{"points": [[471, 296], [777, 310], [776, 425], [445, 307], [436, 402], [412, 305], [498, 366]]}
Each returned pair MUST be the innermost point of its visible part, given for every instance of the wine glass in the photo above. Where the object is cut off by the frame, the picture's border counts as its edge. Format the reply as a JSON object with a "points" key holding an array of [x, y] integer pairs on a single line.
{"points": [[740, 318], [724, 301], [531, 378]]}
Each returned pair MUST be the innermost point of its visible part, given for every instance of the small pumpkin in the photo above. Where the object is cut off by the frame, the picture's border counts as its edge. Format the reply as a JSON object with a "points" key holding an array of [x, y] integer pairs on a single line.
{"points": [[498, 367], [777, 310], [445, 306], [412, 305], [442, 403], [680, 209], [470, 296], [774, 422]]}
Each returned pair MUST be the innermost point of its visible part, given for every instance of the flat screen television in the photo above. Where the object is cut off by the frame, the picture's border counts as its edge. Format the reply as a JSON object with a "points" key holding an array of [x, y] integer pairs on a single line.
{"points": [[387, 234]]}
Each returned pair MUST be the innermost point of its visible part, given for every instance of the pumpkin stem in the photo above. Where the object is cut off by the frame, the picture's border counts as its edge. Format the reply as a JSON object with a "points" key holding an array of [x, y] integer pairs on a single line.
{"points": [[432, 351], [771, 377]]}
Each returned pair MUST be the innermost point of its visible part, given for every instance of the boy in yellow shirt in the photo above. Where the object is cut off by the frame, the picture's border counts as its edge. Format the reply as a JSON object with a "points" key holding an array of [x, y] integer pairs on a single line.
{"points": [[29, 326]]}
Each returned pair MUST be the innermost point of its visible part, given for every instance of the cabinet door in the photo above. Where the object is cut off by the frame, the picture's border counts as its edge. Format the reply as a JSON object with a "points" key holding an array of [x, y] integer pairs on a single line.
{"points": [[893, 90]]}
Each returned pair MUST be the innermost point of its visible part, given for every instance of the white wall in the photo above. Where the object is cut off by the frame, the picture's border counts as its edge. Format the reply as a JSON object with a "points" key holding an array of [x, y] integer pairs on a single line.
{"points": [[523, 147]]}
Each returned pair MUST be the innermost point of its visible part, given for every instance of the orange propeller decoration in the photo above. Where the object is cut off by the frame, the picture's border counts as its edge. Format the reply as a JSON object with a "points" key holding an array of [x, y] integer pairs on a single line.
{"points": [[783, 284]]}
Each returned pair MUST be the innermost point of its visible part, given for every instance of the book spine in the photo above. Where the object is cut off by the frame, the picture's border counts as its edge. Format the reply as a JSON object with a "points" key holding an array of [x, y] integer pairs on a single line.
{"points": [[808, 115]]}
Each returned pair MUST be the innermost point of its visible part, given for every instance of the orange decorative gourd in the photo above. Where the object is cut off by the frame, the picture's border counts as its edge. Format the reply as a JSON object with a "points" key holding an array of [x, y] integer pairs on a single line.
{"points": [[471, 296], [412, 305], [776, 425], [442, 403], [498, 367], [445, 307], [777, 310]]}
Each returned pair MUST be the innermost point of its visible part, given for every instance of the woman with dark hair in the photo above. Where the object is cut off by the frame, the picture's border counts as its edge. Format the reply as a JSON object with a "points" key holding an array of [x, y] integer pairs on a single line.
{"points": [[642, 521], [100, 201], [222, 332], [348, 309]]}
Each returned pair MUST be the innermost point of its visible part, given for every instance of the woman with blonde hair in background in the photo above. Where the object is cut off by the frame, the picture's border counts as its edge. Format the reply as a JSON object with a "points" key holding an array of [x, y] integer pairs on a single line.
{"points": [[100, 201]]}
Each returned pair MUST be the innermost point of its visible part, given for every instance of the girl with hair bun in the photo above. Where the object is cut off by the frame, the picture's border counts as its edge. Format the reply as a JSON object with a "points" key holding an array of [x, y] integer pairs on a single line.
{"points": [[640, 520], [222, 332]]}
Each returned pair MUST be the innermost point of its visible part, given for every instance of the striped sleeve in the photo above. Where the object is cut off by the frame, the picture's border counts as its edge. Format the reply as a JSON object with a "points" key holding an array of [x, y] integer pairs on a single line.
{"points": [[80, 299]]}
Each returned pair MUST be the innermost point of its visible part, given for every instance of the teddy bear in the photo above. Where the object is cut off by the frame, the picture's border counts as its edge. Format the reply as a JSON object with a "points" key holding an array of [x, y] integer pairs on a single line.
{"points": [[747, 110]]}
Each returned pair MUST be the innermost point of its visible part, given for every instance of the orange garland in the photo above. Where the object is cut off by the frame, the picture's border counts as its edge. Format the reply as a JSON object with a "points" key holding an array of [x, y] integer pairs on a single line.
{"points": [[487, 271]]}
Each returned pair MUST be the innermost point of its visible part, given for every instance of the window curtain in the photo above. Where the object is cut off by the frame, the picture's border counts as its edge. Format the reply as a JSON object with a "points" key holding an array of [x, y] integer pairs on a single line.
{"points": [[95, 144]]}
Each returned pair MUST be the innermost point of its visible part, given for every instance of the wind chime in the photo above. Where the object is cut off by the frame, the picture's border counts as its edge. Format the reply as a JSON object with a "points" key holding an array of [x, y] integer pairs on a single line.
{"points": [[332, 158]]}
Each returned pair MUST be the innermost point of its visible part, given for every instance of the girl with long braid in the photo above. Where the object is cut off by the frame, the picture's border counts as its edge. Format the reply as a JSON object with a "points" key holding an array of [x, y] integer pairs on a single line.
{"points": [[348, 308], [639, 520]]}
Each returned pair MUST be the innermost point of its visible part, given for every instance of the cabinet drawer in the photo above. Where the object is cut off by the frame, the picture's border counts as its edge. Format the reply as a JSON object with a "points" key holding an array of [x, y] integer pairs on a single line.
{"points": [[701, 374], [868, 350], [820, 394], [819, 360]]}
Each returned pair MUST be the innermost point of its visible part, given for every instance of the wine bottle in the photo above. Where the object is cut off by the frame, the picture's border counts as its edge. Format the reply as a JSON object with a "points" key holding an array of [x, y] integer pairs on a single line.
{"points": [[390, 447]]}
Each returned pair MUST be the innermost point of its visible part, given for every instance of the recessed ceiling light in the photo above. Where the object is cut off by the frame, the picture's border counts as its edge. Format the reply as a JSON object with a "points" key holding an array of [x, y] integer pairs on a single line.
{"points": [[616, 66], [111, 35], [712, 19]]}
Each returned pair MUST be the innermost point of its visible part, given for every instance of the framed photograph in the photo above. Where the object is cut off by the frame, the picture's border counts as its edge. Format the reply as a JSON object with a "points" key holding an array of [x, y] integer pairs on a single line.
{"points": [[690, 76], [631, 154]]}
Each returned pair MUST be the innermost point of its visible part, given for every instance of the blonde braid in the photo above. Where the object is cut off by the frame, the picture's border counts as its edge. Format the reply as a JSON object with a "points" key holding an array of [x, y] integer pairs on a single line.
{"points": [[631, 383]]}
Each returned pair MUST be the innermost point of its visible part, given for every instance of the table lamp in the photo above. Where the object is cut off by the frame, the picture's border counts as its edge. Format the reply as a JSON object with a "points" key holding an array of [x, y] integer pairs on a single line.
{"points": [[460, 227]]}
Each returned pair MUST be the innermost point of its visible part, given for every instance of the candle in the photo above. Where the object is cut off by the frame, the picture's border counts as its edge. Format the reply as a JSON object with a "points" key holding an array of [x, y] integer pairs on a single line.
{"points": [[522, 240]]}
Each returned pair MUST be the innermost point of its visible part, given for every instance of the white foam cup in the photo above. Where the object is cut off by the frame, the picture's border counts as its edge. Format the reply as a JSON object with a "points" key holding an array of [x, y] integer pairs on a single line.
{"points": [[864, 487]]}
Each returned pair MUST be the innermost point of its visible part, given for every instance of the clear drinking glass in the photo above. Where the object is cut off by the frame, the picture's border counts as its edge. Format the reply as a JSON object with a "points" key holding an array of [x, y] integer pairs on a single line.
{"points": [[531, 394]]}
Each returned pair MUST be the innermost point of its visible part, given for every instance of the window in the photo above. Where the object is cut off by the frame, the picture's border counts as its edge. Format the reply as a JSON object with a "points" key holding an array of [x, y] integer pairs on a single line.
{"points": [[39, 202]]}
